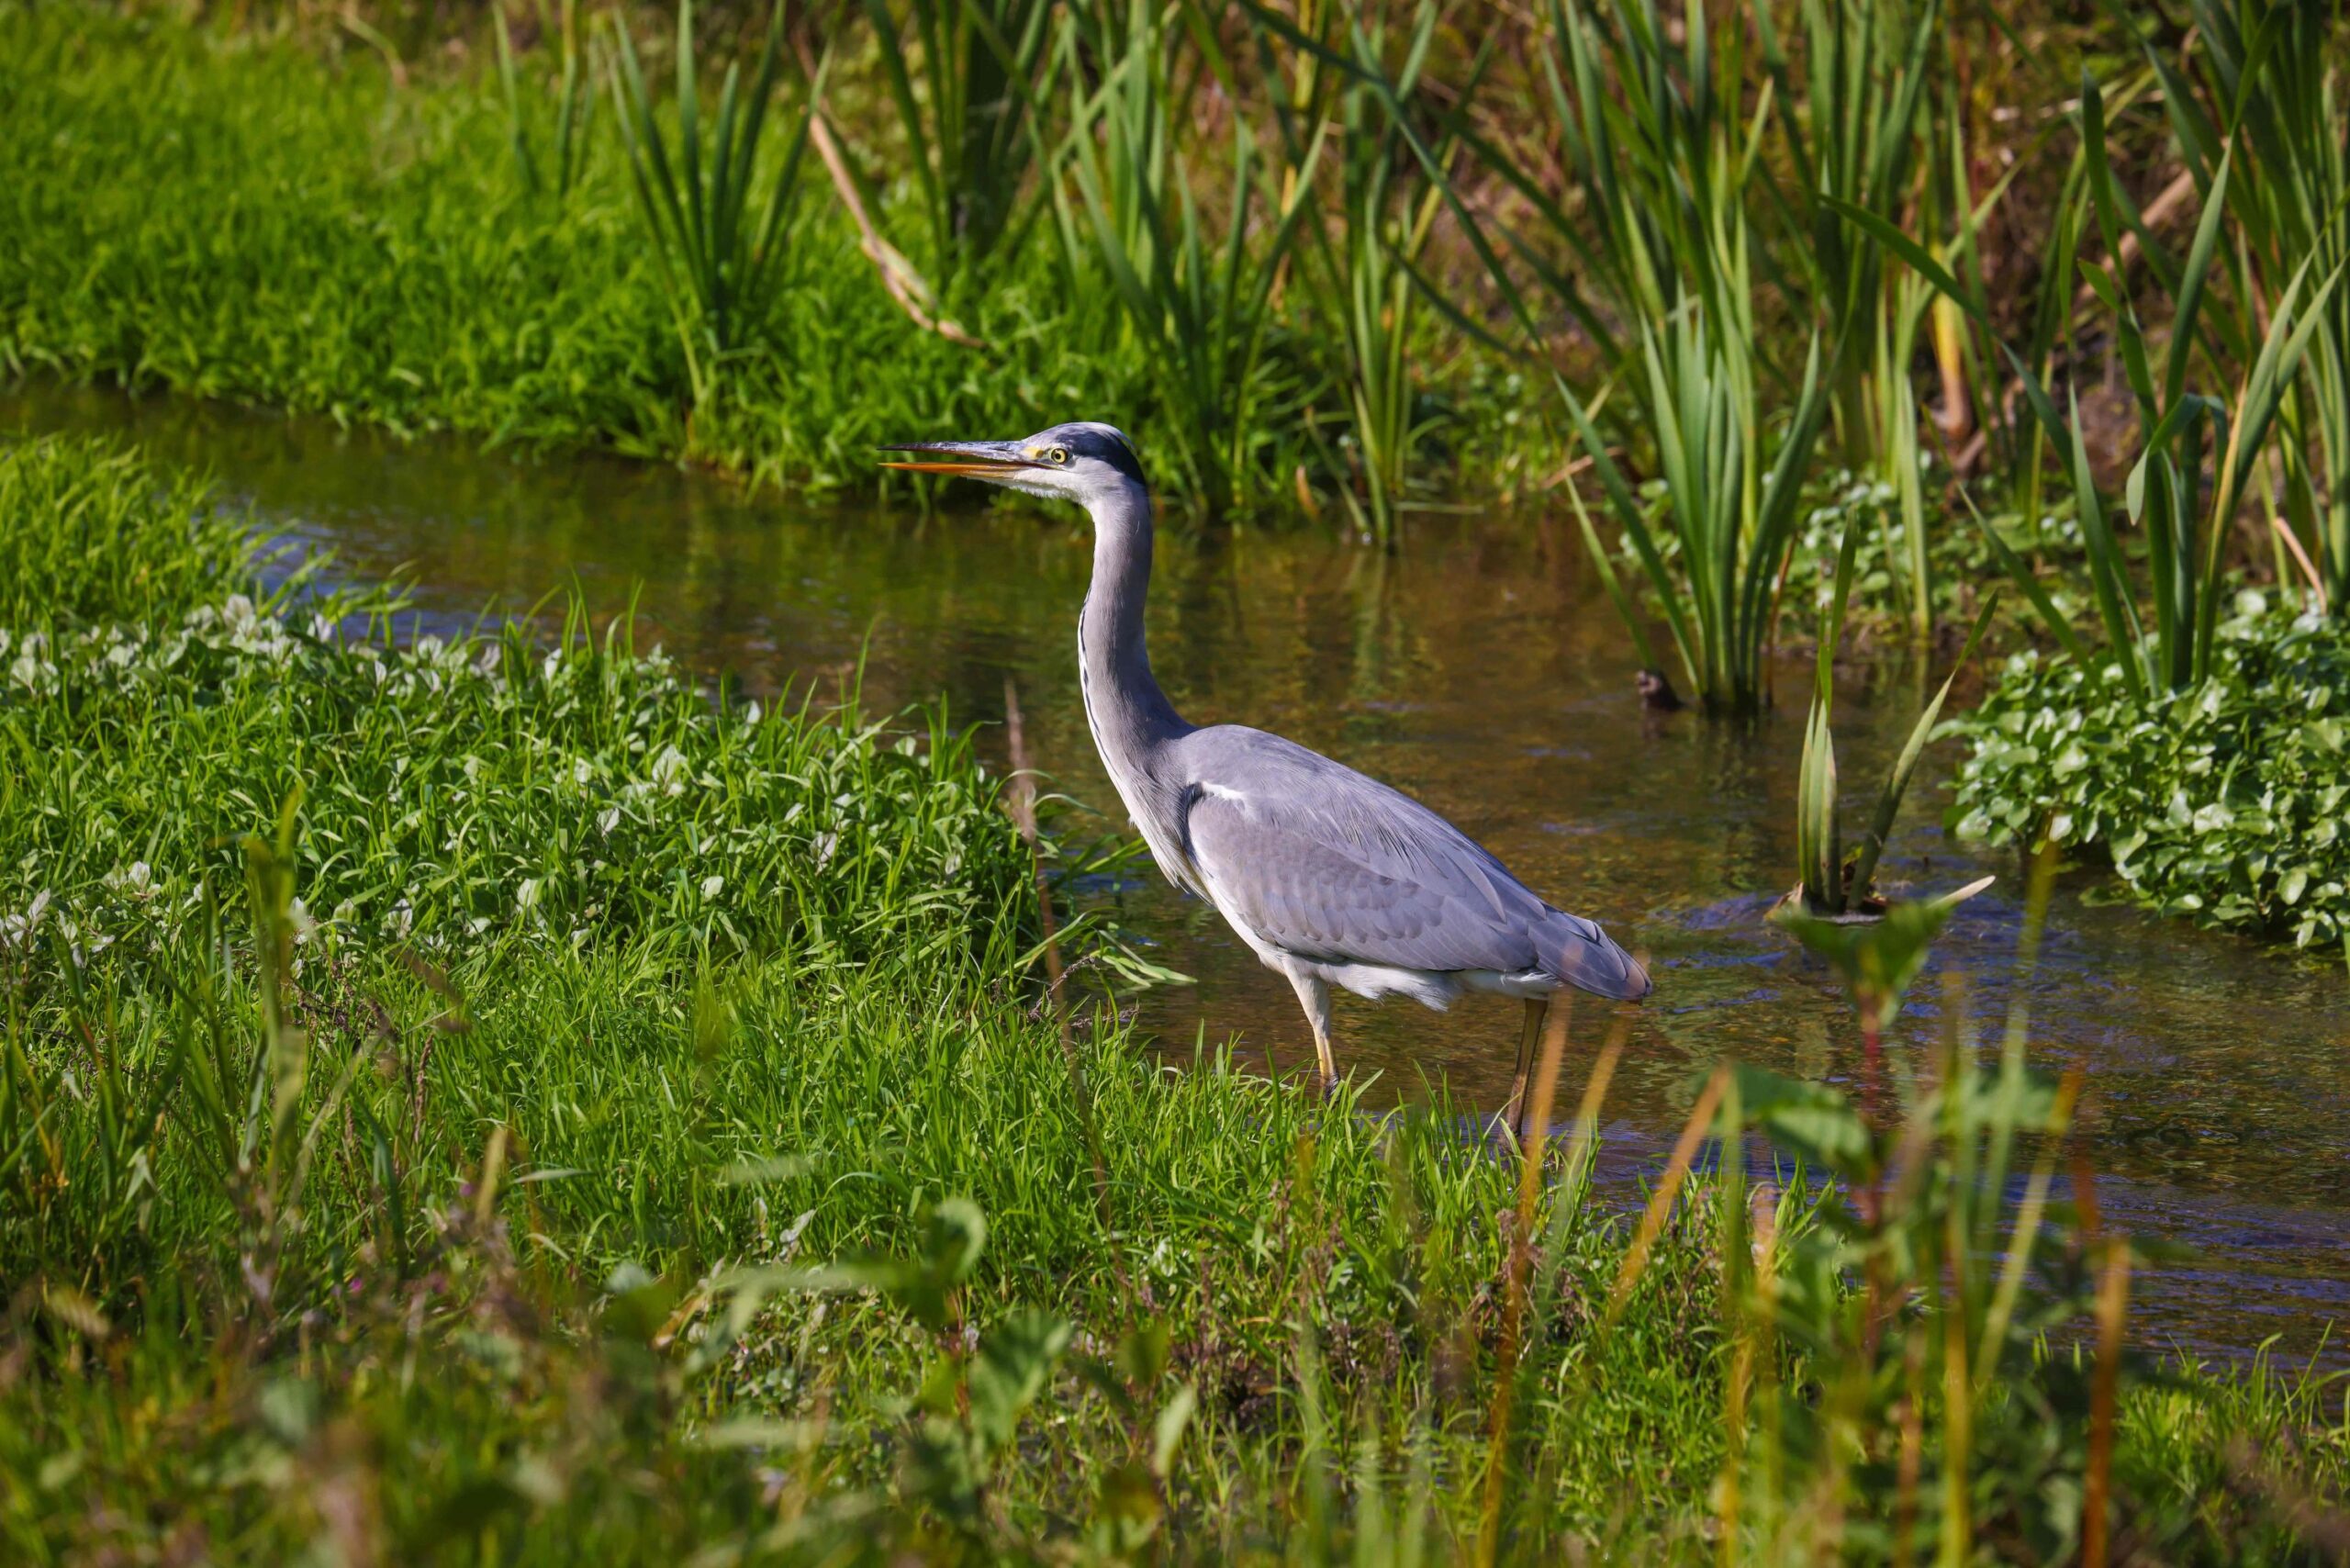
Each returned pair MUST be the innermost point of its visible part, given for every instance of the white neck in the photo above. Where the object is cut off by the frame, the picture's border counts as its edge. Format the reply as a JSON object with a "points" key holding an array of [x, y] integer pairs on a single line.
{"points": [[1132, 721]]}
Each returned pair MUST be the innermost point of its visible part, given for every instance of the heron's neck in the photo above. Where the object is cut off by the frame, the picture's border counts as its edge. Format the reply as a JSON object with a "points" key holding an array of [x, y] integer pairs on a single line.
{"points": [[1129, 715]]}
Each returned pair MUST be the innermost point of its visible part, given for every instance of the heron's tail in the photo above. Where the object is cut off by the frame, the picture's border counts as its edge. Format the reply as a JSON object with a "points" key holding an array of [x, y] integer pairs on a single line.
{"points": [[1586, 958]]}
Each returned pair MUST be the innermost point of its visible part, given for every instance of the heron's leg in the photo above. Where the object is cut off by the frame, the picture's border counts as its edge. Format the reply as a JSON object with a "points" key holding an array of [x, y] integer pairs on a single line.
{"points": [[1313, 996], [1537, 1008]]}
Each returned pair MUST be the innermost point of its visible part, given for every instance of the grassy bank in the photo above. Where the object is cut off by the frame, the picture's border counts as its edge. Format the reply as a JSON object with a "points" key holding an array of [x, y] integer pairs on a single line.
{"points": [[487, 1101], [316, 234], [312, 236]]}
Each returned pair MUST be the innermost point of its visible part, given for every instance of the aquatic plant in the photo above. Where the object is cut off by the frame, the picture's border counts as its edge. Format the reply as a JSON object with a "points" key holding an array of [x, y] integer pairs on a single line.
{"points": [[1852, 132], [717, 236], [2170, 647], [1364, 72], [2225, 804], [2262, 90], [967, 80], [1652, 129], [1832, 886]]}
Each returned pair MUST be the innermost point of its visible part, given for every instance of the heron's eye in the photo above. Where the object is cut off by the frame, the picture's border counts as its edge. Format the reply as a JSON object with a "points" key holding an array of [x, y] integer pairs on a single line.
{"points": [[1058, 454]]}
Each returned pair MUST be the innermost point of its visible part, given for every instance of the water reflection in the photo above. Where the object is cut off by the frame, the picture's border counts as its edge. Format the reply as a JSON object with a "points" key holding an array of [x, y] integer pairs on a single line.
{"points": [[1480, 671]]}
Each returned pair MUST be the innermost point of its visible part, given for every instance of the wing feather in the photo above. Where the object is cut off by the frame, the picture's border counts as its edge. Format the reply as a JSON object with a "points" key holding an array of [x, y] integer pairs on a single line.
{"points": [[1328, 864]]}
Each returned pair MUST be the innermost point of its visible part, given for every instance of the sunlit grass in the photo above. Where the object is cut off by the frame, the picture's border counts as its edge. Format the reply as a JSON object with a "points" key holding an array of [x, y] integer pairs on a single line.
{"points": [[90, 534], [313, 234]]}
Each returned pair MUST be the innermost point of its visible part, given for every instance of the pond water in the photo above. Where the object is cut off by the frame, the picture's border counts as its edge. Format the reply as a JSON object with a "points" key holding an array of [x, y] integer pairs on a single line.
{"points": [[1481, 670]]}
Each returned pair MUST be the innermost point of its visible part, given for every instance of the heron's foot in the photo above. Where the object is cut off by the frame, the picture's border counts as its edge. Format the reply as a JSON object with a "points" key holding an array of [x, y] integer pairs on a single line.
{"points": [[1329, 1086]]}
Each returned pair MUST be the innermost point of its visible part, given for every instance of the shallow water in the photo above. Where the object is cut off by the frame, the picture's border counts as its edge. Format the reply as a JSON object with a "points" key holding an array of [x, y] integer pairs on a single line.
{"points": [[1482, 671]]}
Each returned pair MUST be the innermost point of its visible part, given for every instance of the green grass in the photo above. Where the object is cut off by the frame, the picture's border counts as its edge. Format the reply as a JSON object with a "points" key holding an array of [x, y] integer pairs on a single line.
{"points": [[302, 232], [309, 236], [798, 1065], [117, 541], [422, 1220]]}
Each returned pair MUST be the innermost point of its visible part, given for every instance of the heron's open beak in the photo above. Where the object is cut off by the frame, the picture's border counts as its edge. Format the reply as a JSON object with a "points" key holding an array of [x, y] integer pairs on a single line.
{"points": [[983, 458]]}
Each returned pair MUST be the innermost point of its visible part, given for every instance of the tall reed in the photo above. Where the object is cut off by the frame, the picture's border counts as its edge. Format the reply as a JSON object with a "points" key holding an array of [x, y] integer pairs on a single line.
{"points": [[2264, 85], [555, 170], [1198, 307], [967, 80], [1662, 280], [2166, 646], [716, 218], [1852, 132], [1833, 887], [1369, 246]]}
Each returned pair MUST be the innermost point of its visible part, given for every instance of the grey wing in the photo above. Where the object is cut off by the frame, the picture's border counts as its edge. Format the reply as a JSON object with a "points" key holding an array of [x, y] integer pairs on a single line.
{"points": [[1325, 862]]}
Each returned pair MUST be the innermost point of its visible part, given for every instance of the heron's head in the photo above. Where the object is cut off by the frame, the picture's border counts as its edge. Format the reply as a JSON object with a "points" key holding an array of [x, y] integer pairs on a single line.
{"points": [[1082, 463]]}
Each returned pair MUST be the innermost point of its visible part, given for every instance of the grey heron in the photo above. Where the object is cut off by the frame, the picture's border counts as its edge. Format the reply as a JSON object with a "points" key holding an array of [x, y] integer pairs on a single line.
{"points": [[1330, 877]]}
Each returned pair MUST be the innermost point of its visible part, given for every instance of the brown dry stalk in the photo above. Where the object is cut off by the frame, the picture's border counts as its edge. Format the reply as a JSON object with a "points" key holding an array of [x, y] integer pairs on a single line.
{"points": [[1660, 1203], [2112, 1310], [2301, 558], [1521, 1253], [906, 285], [1023, 817]]}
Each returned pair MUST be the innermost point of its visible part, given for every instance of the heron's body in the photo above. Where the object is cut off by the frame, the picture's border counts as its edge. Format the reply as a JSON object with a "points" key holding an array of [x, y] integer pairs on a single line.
{"points": [[1330, 877]]}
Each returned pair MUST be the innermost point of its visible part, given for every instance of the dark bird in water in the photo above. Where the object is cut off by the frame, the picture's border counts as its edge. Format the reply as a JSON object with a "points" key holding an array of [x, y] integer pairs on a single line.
{"points": [[1656, 692], [1331, 878]]}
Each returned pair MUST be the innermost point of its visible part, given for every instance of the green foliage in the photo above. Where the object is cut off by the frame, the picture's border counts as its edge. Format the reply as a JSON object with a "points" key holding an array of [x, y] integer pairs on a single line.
{"points": [[1371, 258], [1877, 960], [319, 237], [88, 533], [485, 790], [718, 238], [1996, 1435], [2225, 803], [1198, 314], [2263, 88], [1852, 132], [1832, 887], [2169, 647], [1652, 127], [1889, 526], [967, 79], [573, 93], [313, 239], [544, 790]]}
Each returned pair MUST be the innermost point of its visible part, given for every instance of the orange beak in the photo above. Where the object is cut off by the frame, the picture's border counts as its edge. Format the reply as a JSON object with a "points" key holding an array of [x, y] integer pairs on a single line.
{"points": [[982, 458]]}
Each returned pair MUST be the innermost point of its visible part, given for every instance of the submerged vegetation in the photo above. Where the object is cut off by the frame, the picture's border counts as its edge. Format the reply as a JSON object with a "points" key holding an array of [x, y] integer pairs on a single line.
{"points": [[491, 1101]]}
